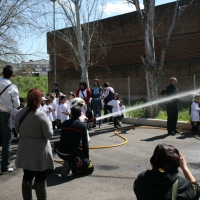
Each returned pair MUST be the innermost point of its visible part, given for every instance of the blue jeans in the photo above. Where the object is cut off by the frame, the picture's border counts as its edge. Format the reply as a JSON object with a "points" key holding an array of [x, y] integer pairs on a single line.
{"points": [[96, 107], [6, 135]]}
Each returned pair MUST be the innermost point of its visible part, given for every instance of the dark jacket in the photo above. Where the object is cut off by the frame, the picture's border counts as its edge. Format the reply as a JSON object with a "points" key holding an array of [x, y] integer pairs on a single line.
{"points": [[72, 131], [170, 90], [154, 185]]}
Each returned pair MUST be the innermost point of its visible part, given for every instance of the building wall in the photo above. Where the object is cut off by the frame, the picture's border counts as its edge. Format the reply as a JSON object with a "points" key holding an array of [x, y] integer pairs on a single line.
{"points": [[125, 35]]}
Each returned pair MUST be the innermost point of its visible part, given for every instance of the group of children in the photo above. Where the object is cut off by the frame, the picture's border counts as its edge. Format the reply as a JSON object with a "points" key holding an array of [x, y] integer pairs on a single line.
{"points": [[57, 109]]}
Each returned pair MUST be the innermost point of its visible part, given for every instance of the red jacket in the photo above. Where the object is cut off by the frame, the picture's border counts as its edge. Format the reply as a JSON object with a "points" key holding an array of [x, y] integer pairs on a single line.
{"points": [[88, 95]]}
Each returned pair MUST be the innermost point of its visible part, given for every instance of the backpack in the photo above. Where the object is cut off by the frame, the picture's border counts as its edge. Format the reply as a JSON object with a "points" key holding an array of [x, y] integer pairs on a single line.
{"points": [[109, 97]]}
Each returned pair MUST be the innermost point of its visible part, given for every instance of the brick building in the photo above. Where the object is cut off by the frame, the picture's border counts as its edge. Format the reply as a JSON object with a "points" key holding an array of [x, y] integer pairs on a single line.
{"points": [[126, 38]]}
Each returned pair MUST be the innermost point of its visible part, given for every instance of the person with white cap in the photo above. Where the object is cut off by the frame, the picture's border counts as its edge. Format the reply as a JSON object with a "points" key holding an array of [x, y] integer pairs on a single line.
{"points": [[43, 106]]}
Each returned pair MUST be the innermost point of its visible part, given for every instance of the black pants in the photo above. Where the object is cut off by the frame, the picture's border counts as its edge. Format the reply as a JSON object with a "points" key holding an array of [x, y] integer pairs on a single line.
{"points": [[195, 127], [54, 125], [106, 109], [117, 120], [58, 122], [39, 176], [14, 132], [172, 117]]}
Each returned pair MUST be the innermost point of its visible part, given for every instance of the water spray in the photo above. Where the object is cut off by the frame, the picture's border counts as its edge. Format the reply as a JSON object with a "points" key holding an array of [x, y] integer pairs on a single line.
{"points": [[162, 100]]}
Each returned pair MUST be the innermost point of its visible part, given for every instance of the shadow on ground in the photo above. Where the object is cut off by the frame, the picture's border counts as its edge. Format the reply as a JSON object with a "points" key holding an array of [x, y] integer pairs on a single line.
{"points": [[56, 179]]}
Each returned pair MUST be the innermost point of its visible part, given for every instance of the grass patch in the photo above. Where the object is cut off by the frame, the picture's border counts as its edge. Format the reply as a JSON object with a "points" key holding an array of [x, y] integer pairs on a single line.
{"points": [[183, 114]]}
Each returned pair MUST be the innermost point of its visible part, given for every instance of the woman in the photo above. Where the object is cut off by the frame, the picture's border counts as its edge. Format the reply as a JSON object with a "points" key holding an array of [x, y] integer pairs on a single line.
{"points": [[34, 153], [162, 182], [84, 93], [96, 101]]}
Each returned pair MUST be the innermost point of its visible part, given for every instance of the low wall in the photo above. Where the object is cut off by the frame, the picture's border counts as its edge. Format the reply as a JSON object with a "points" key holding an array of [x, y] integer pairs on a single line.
{"points": [[155, 122]]}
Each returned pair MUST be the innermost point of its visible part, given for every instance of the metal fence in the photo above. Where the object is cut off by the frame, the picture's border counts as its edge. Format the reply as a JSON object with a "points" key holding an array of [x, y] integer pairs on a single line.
{"points": [[133, 90]]}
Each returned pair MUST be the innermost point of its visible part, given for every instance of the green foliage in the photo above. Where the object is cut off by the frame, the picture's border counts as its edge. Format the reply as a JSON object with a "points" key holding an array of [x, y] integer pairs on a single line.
{"points": [[139, 113], [183, 114], [24, 84]]}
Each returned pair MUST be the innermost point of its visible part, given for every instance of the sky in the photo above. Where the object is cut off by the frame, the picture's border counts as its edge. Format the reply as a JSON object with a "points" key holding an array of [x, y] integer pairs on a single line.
{"points": [[38, 43]]}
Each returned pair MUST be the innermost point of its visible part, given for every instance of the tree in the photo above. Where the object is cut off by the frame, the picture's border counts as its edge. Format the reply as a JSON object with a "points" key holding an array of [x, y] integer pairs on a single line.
{"points": [[84, 38], [153, 69], [18, 20]]}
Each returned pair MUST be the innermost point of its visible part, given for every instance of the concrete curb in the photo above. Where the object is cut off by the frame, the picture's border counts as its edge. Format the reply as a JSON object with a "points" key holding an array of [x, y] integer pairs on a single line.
{"points": [[155, 122]]}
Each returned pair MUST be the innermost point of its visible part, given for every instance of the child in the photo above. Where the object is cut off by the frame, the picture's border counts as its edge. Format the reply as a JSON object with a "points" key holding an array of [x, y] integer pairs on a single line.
{"points": [[122, 109], [80, 102], [195, 114], [49, 110], [53, 111], [64, 109], [71, 96], [43, 106], [12, 118], [115, 109]]}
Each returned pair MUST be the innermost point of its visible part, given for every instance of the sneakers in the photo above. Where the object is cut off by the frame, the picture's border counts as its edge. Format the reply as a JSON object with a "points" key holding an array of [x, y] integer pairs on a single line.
{"points": [[8, 171]]}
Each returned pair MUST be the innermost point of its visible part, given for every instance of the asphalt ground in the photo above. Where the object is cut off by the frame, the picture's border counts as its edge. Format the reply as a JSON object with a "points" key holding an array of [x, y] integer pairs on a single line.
{"points": [[115, 168]]}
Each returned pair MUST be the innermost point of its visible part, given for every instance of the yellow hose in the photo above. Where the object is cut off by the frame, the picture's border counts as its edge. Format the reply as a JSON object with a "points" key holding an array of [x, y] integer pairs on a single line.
{"points": [[116, 133]]}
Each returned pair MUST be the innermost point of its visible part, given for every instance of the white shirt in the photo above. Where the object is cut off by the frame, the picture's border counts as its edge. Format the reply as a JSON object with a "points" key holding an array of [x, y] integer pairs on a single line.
{"points": [[195, 111], [81, 94], [43, 108], [54, 112], [10, 97], [115, 107], [108, 89], [66, 109], [49, 113], [122, 109]]}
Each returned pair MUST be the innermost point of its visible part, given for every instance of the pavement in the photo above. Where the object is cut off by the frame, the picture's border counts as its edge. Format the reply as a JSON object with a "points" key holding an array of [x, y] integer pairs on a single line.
{"points": [[115, 168]]}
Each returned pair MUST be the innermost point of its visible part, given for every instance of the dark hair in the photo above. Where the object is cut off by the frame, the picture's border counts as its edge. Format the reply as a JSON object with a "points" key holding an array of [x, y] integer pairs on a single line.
{"points": [[106, 84], [56, 84], [72, 94], [62, 97], [22, 100], [76, 111], [166, 157], [117, 95], [84, 84], [97, 80], [34, 98], [7, 71]]}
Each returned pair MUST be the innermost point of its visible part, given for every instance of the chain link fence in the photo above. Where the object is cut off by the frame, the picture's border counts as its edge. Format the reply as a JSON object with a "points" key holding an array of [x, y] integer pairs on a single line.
{"points": [[133, 90]]}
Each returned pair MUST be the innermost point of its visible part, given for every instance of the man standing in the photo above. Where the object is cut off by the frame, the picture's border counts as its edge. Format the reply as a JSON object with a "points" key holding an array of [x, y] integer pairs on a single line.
{"points": [[55, 88], [9, 99], [172, 106]]}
